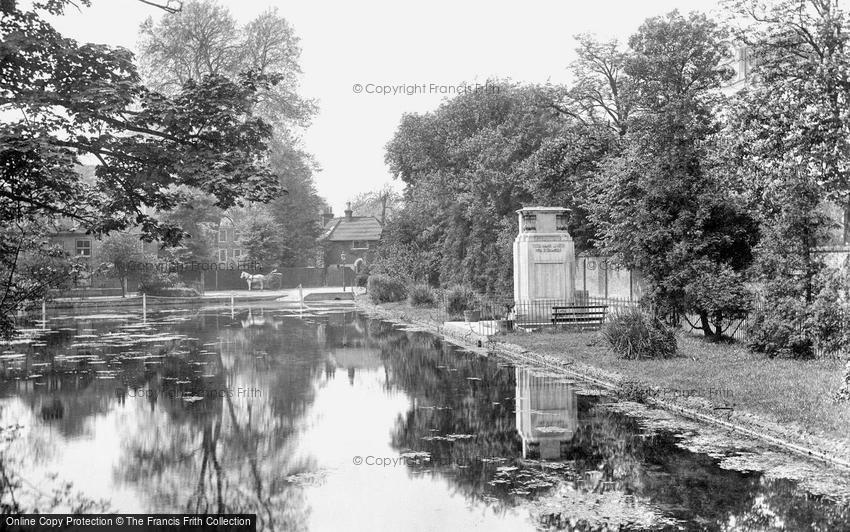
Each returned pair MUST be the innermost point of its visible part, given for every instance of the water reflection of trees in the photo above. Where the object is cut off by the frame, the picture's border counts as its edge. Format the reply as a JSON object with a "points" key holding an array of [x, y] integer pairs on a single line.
{"points": [[223, 452], [608, 452], [194, 444], [191, 448]]}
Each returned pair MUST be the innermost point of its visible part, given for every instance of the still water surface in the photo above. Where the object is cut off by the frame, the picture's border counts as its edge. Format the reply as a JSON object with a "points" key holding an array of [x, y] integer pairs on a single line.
{"points": [[338, 422]]}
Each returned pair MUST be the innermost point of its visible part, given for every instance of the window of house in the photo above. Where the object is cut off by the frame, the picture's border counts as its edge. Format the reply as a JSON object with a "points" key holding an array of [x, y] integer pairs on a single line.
{"points": [[236, 235], [237, 253], [222, 235], [529, 222], [222, 255], [84, 248], [359, 244]]}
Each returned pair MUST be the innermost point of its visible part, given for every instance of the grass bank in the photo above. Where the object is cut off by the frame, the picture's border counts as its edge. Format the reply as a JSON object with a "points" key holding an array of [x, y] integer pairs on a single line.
{"points": [[779, 390], [787, 399]]}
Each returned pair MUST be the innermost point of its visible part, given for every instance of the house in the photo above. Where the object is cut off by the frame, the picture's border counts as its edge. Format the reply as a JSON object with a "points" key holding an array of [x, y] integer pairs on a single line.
{"points": [[351, 240], [228, 244], [86, 248]]}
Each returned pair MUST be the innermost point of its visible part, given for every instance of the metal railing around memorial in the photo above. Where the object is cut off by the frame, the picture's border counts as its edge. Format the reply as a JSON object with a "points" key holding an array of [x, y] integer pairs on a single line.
{"points": [[491, 314], [494, 314]]}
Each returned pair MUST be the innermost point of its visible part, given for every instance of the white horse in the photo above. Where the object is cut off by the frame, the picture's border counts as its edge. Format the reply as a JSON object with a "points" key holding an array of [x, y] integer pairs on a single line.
{"points": [[260, 278], [254, 278]]}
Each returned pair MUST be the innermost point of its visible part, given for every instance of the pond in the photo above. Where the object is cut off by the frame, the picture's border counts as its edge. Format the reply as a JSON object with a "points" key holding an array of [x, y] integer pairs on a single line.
{"points": [[334, 421]]}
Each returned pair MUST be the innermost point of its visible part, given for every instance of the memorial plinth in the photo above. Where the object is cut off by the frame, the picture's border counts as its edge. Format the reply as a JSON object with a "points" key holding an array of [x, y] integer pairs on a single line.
{"points": [[544, 263]]}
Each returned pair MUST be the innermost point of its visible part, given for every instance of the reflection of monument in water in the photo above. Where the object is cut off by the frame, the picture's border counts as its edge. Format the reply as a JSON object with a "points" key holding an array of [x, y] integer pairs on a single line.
{"points": [[546, 414]]}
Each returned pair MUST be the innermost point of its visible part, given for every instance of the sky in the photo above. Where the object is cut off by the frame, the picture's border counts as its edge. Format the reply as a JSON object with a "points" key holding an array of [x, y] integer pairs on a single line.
{"points": [[351, 50]]}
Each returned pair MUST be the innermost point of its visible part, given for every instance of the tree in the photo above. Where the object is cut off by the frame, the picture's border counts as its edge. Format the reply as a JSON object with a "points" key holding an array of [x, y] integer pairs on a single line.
{"points": [[260, 236], [660, 200], [793, 150], [30, 265], [121, 254], [382, 203], [298, 213], [469, 165], [66, 100], [198, 218], [603, 93], [204, 39]]}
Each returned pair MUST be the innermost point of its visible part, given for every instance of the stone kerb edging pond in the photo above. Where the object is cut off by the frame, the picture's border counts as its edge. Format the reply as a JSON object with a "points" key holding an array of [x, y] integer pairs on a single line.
{"points": [[744, 424]]}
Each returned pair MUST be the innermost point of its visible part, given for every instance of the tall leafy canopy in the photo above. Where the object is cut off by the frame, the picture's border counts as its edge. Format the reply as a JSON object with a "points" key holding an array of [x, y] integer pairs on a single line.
{"points": [[65, 101], [468, 167], [789, 132], [204, 39]]}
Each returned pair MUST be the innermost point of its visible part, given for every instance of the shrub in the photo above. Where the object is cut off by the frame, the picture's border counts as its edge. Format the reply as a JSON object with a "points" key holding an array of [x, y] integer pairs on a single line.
{"points": [[781, 331], [361, 280], [383, 289], [156, 281], [175, 291], [421, 295], [634, 334], [458, 300], [789, 327]]}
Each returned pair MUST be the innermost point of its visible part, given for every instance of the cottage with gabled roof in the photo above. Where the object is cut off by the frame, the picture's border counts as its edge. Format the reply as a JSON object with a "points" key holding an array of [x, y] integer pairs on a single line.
{"points": [[350, 240]]}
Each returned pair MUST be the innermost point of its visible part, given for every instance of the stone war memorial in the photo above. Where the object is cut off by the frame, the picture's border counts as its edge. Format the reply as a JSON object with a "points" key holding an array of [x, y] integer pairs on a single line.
{"points": [[544, 264]]}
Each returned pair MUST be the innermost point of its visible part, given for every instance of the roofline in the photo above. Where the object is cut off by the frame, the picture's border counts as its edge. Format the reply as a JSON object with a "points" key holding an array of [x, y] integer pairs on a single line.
{"points": [[337, 219], [542, 209]]}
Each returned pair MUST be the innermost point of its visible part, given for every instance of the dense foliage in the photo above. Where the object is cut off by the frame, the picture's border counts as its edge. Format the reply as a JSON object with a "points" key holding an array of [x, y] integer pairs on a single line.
{"points": [[633, 334], [205, 39], [421, 295], [718, 191], [459, 299], [383, 289], [63, 100], [661, 200], [790, 147], [467, 167]]}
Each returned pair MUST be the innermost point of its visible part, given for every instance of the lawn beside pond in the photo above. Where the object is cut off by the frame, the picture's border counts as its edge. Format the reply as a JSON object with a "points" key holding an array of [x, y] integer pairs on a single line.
{"points": [[793, 396], [783, 391]]}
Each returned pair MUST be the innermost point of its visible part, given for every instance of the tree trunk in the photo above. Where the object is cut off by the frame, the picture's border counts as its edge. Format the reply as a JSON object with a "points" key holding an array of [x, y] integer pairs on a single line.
{"points": [[807, 264], [706, 325]]}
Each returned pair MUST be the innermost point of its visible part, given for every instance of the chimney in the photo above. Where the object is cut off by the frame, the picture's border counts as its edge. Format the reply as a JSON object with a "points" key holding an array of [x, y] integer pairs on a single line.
{"points": [[327, 216], [348, 211]]}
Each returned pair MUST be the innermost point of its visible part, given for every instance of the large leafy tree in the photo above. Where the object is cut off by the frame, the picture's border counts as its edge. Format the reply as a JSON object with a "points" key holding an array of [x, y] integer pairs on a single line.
{"points": [[791, 143], [603, 93], [122, 255], [260, 237], [63, 100], [297, 213], [198, 217], [660, 201], [467, 167], [204, 39]]}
